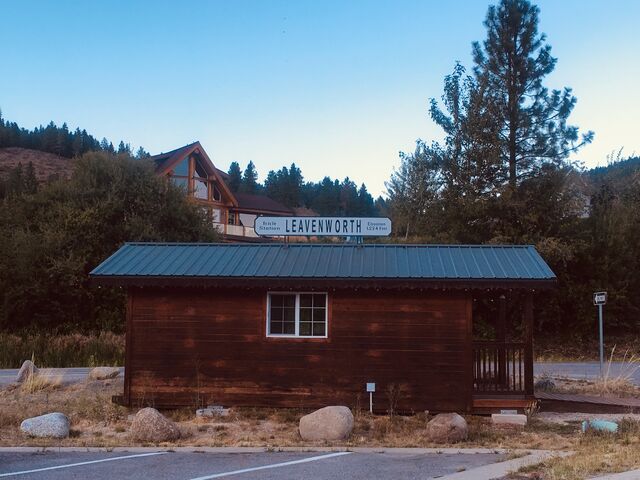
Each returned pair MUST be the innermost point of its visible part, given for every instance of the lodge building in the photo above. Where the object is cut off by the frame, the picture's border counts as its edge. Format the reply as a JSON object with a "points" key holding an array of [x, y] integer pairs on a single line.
{"points": [[232, 213], [309, 325]]}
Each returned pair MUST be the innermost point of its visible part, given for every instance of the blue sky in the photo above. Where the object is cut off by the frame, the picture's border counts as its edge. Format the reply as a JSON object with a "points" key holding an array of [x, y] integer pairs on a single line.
{"points": [[339, 87]]}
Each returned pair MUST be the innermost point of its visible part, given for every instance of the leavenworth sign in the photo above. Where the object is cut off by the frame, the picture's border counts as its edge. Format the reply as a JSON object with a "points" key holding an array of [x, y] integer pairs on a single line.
{"points": [[323, 226]]}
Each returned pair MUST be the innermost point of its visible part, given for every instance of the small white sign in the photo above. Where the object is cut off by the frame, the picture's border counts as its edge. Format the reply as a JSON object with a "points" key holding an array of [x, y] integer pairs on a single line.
{"points": [[600, 298], [323, 226], [371, 387]]}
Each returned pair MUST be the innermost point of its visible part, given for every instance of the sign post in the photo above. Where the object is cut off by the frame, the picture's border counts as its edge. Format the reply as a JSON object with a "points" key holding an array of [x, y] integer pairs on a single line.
{"points": [[600, 299], [371, 387]]}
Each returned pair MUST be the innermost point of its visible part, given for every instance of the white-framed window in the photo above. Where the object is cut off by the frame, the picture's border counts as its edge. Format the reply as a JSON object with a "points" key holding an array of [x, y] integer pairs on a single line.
{"points": [[299, 314]]}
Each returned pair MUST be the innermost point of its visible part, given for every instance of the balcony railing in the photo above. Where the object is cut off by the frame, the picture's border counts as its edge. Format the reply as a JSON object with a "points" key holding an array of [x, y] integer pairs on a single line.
{"points": [[235, 230], [499, 367]]}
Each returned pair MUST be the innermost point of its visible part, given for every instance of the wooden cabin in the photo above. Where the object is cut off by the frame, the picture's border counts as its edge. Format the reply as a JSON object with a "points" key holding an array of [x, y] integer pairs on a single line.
{"points": [[308, 325], [232, 213]]}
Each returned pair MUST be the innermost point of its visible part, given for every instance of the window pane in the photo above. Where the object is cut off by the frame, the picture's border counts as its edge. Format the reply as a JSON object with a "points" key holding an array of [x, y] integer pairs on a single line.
{"points": [[276, 313], [319, 329], [319, 314], [320, 300], [182, 168], [306, 300], [200, 171], [215, 193], [276, 300], [180, 182], [305, 315], [289, 328], [275, 327], [289, 314], [200, 189], [289, 301], [305, 329]]}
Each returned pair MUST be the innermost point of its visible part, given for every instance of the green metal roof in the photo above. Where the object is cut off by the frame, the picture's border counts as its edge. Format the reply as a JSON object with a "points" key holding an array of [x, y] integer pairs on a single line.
{"points": [[471, 263]]}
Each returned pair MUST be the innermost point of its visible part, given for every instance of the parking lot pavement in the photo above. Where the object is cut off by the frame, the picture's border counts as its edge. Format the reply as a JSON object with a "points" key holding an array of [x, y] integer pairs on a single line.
{"points": [[246, 466]]}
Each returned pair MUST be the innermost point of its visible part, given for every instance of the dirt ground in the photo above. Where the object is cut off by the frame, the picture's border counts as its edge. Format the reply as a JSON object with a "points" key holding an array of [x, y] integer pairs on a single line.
{"points": [[96, 421]]}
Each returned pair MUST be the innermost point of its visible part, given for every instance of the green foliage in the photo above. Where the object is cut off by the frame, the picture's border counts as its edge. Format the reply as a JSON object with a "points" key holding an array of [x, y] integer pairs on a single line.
{"points": [[249, 179], [285, 186], [502, 176], [19, 181], [510, 66], [235, 176], [57, 140], [52, 239]]}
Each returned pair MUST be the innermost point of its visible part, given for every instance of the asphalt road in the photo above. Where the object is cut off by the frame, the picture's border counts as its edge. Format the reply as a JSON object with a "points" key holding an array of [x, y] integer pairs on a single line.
{"points": [[246, 466], [67, 375], [580, 370], [587, 370]]}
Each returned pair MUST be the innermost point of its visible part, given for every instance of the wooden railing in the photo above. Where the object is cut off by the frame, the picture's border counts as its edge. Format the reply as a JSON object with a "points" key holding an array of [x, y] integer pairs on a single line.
{"points": [[500, 367]]}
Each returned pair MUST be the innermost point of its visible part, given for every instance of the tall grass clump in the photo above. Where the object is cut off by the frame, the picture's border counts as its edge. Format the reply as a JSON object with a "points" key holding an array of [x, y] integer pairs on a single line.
{"points": [[63, 350], [620, 383]]}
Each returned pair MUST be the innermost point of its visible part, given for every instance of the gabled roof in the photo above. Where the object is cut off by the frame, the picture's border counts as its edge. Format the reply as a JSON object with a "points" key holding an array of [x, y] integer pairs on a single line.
{"points": [[474, 266], [166, 161], [248, 201]]}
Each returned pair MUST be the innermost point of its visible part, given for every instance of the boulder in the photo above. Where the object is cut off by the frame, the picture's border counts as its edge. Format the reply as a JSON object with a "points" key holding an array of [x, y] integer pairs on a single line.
{"points": [[26, 370], [447, 428], [103, 373], [51, 425], [149, 425], [328, 423]]}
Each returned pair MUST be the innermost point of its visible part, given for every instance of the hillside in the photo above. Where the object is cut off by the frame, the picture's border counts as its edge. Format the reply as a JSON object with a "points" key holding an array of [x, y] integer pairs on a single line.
{"points": [[46, 165]]}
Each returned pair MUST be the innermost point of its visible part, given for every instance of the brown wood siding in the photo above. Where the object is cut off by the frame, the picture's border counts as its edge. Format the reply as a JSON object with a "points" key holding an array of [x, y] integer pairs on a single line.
{"points": [[210, 346]]}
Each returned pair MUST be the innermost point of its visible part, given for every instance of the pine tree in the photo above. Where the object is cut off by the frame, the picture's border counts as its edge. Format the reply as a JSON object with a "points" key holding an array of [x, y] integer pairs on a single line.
{"points": [[124, 148], [141, 153], [249, 179], [30, 182], [365, 205], [235, 176], [294, 183], [511, 64]]}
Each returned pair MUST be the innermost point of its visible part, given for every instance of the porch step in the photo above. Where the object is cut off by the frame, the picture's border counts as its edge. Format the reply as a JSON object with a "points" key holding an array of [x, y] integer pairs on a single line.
{"points": [[488, 405]]}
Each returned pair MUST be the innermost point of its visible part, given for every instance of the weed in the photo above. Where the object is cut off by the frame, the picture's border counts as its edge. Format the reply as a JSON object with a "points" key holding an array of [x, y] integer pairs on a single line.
{"points": [[532, 410]]}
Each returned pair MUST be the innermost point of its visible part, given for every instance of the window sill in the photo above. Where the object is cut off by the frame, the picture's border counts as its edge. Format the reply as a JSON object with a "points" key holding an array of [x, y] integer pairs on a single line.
{"points": [[293, 338]]}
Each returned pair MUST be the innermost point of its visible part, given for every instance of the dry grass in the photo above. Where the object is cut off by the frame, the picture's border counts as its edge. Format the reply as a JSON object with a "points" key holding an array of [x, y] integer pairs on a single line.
{"points": [[571, 349], [96, 421], [614, 388], [45, 164], [37, 382], [596, 454], [621, 382]]}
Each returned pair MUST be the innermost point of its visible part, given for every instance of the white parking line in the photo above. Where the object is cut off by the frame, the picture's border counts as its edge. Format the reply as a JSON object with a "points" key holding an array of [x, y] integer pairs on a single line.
{"points": [[79, 464], [274, 465]]}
